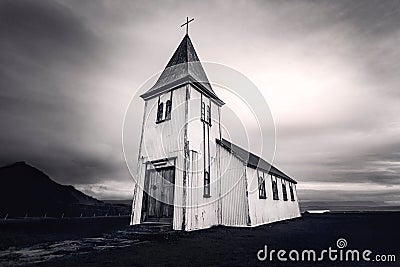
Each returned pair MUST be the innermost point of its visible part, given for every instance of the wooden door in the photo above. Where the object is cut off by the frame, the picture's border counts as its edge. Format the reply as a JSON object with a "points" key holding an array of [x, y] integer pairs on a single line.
{"points": [[159, 195]]}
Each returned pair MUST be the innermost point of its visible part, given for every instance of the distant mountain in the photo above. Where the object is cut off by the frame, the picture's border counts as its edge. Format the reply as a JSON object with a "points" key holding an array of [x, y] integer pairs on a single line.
{"points": [[25, 190], [118, 201]]}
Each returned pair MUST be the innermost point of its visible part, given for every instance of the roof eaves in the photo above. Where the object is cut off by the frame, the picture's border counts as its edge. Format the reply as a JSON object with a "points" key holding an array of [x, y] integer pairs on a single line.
{"points": [[273, 170]]}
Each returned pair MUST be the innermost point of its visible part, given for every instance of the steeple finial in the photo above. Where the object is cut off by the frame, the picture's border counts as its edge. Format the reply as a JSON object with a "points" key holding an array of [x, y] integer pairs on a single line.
{"points": [[187, 24]]}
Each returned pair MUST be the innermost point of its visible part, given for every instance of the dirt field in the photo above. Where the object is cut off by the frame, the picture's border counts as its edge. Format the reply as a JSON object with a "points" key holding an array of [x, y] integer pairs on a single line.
{"points": [[108, 241]]}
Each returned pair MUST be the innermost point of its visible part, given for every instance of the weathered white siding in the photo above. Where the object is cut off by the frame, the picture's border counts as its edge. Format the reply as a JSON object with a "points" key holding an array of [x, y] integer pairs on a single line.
{"points": [[163, 140], [269, 210], [202, 212], [234, 204]]}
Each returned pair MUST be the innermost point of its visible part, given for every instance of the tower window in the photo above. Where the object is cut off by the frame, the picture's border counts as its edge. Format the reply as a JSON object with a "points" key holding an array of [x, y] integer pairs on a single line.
{"points": [[160, 112], [161, 117], [206, 184], [209, 114], [203, 111], [168, 108], [261, 188], [206, 113], [206, 146], [285, 198]]}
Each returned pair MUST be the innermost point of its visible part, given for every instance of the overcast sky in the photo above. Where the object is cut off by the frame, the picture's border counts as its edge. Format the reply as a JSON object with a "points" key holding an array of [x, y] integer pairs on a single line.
{"points": [[329, 71]]}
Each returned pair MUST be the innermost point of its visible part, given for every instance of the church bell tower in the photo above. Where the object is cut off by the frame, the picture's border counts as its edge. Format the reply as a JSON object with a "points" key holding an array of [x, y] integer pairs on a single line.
{"points": [[177, 158]]}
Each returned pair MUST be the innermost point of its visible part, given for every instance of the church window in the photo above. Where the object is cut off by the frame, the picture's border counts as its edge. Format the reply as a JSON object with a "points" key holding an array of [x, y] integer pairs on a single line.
{"points": [[209, 114], [160, 112], [285, 198], [291, 193], [206, 145], [261, 187], [168, 107], [206, 184], [203, 111], [274, 189]]}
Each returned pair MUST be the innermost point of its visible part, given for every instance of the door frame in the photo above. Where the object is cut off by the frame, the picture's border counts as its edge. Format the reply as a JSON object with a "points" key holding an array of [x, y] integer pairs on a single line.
{"points": [[151, 166]]}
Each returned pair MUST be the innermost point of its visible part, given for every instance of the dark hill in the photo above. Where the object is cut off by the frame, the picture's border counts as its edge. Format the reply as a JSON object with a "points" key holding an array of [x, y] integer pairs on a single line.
{"points": [[25, 190]]}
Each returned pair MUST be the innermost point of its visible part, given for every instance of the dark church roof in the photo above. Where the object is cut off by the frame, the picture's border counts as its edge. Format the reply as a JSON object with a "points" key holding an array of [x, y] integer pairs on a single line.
{"points": [[183, 67], [252, 160]]}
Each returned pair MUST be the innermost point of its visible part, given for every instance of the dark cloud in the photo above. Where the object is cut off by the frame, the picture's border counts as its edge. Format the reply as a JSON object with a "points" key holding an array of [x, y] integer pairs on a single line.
{"points": [[42, 35], [344, 198], [44, 47], [380, 166], [371, 163], [68, 69]]}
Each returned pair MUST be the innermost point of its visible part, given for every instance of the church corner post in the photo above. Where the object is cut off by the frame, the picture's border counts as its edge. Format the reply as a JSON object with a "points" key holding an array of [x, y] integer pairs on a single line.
{"points": [[136, 214], [186, 160]]}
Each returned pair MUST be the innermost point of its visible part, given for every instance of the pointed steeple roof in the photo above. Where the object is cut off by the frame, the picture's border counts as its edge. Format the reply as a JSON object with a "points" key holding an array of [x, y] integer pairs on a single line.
{"points": [[183, 67]]}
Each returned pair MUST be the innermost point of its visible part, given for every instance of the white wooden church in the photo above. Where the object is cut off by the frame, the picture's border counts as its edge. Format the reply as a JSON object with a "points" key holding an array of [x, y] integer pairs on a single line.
{"points": [[189, 176]]}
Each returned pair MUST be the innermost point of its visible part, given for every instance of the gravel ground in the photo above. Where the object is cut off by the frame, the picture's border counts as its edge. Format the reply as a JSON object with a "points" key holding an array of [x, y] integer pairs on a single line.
{"points": [[109, 241]]}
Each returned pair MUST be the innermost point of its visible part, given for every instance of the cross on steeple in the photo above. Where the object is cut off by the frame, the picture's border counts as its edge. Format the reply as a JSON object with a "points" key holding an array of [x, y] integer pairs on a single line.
{"points": [[187, 24]]}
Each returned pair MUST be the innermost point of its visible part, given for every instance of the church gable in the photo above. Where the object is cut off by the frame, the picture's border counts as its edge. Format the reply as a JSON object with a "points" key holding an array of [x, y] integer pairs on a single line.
{"points": [[183, 67]]}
